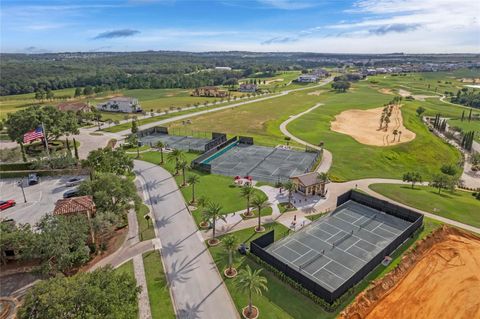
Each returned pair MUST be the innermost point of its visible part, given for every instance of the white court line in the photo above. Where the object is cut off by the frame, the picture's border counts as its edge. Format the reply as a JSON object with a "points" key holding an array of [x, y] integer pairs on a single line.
{"points": [[346, 221], [385, 229], [346, 252], [302, 255], [334, 273]]}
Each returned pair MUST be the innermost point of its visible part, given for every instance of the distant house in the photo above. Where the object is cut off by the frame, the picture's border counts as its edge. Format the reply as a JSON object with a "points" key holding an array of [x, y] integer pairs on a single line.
{"points": [[320, 73], [309, 184], [74, 107], [223, 68], [247, 87], [209, 91], [307, 78], [121, 104]]}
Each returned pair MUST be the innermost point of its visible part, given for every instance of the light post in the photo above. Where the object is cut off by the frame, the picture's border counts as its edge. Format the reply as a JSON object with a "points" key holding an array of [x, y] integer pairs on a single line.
{"points": [[20, 183]]}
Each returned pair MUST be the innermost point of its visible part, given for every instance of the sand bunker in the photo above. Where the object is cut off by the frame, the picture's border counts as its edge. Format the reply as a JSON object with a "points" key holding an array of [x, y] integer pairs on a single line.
{"points": [[386, 91], [419, 97], [444, 284], [363, 126], [404, 93], [273, 81], [470, 80], [316, 93], [437, 279]]}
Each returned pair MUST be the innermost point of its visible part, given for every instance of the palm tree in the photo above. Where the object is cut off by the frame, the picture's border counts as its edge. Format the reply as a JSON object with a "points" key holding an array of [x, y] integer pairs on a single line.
{"points": [[247, 193], [290, 187], [399, 135], [230, 243], [395, 133], [192, 180], [160, 145], [176, 156], [133, 140], [387, 120], [260, 202], [182, 165], [250, 282], [212, 212]]}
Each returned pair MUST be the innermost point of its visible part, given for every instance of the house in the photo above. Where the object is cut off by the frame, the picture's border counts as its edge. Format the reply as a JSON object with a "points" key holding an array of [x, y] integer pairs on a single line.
{"points": [[122, 104], [75, 206], [223, 68], [209, 91], [74, 107], [320, 73], [246, 87], [310, 184], [307, 78]]}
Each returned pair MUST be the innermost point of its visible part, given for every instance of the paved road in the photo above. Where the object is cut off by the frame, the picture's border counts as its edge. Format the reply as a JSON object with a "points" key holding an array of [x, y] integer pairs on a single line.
{"points": [[197, 288], [327, 156]]}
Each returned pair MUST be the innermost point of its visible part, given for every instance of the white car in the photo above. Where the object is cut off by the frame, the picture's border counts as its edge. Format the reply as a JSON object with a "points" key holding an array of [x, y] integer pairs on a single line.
{"points": [[74, 181]]}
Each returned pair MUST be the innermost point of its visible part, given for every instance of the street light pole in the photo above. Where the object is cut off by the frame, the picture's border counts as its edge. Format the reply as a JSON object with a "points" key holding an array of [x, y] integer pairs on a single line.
{"points": [[20, 183]]}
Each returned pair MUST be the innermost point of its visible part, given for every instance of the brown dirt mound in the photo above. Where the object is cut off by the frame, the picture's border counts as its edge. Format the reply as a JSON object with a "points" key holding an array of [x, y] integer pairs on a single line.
{"points": [[439, 278], [363, 126], [316, 93], [386, 91]]}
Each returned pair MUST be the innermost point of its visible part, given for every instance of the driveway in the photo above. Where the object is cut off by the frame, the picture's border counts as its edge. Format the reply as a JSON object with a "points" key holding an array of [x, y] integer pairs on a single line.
{"points": [[41, 198], [197, 287]]}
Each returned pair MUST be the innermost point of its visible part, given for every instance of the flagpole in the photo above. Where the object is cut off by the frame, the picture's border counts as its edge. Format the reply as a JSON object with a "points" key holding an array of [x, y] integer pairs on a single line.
{"points": [[45, 140]]}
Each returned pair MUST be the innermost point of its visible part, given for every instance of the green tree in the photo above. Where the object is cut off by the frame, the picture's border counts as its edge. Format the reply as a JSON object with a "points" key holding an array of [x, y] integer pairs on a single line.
{"points": [[175, 156], [134, 127], [247, 193], [290, 188], [50, 95], [160, 145], [412, 178], [440, 181], [88, 90], [212, 212], [75, 149], [230, 243], [101, 294], [341, 86], [193, 180], [133, 141], [182, 165], [448, 169], [57, 123], [260, 202], [251, 282], [78, 92], [15, 238], [111, 192], [108, 160]]}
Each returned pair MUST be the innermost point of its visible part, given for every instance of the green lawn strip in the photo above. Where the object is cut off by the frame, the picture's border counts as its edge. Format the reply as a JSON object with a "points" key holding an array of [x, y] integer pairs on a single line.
{"points": [[145, 227], [267, 211], [158, 292], [126, 268], [284, 207], [459, 205], [467, 126]]}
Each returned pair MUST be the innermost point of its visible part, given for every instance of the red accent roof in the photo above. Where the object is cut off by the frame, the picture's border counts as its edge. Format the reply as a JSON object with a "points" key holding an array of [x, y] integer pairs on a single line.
{"points": [[73, 106], [74, 205]]}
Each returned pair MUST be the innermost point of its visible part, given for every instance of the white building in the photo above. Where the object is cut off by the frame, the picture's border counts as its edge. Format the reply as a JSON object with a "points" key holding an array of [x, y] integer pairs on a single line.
{"points": [[223, 68], [307, 78], [247, 87], [122, 104]]}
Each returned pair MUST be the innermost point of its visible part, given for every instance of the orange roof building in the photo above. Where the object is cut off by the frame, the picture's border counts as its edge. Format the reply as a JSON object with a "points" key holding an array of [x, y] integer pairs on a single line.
{"points": [[75, 205]]}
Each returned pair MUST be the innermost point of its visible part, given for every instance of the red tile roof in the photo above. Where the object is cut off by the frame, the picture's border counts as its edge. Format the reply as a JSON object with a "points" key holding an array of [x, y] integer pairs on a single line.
{"points": [[73, 106], [74, 205]]}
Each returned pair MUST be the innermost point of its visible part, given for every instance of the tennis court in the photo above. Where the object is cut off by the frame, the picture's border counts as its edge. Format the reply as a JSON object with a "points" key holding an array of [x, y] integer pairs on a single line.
{"points": [[262, 163], [334, 248], [184, 143]]}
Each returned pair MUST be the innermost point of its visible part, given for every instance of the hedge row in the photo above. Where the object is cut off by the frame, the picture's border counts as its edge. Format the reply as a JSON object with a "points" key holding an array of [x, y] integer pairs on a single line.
{"points": [[57, 172], [15, 166]]}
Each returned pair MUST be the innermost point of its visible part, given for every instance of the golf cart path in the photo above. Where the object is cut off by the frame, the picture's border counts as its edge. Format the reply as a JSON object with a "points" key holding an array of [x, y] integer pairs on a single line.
{"points": [[196, 285], [327, 156]]}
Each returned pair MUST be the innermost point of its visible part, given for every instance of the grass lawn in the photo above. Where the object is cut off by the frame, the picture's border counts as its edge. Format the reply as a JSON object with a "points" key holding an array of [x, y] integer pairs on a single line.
{"points": [[158, 292], [281, 300], [126, 268], [145, 228], [459, 205], [467, 126]]}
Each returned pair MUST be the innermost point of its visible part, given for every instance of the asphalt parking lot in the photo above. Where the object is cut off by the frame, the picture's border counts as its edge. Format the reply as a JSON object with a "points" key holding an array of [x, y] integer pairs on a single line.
{"points": [[41, 198]]}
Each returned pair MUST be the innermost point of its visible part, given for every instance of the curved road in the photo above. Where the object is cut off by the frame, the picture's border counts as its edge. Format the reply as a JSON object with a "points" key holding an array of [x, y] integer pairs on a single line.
{"points": [[196, 285]]}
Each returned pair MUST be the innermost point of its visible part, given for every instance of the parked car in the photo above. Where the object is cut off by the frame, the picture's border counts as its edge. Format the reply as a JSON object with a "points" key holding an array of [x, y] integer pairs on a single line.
{"points": [[4, 204], [74, 181], [32, 179], [71, 193]]}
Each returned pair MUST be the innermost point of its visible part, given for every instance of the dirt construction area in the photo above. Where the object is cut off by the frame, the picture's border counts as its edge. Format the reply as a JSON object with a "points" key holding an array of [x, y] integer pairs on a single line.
{"points": [[438, 279], [363, 126]]}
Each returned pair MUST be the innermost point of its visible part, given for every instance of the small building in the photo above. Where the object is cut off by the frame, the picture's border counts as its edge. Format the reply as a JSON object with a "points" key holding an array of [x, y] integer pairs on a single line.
{"points": [[75, 107], [320, 73], [247, 87], [75, 205], [223, 68], [209, 91], [122, 104], [310, 184], [307, 78]]}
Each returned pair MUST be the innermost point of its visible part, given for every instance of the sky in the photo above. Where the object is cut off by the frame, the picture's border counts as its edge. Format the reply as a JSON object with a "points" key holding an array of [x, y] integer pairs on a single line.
{"points": [[325, 26]]}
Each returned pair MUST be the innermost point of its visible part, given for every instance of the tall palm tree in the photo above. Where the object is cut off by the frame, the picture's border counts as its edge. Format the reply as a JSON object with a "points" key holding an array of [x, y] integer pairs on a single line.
{"points": [[160, 145], [395, 133], [192, 180], [133, 140], [290, 187], [212, 212], [183, 165], [399, 135], [251, 282], [247, 193], [260, 202], [230, 243], [176, 156]]}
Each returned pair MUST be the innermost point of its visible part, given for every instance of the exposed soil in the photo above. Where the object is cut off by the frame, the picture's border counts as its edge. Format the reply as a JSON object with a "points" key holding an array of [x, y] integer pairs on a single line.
{"points": [[273, 81], [386, 91], [418, 97], [252, 315], [440, 278], [470, 80], [363, 126], [316, 93], [404, 93]]}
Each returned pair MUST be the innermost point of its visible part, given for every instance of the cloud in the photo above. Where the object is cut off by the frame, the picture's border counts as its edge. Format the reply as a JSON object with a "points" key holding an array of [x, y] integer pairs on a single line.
{"points": [[116, 34], [289, 4], [33, 49], [281, 40], [399, 27]]}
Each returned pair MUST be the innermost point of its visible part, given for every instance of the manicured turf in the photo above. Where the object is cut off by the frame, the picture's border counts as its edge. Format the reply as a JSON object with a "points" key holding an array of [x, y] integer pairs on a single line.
{"points": [[158, 291], [459, 205], [281, 300], [145, 228], [467, 126], [126, 268]]}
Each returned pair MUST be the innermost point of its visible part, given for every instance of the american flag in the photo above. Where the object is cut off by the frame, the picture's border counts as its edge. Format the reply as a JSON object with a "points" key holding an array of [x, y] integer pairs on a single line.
{"points": [[33, 135]]}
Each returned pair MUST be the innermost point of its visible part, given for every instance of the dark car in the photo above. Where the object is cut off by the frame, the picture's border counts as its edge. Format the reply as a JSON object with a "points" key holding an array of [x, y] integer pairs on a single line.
{"points": [[71, 193], [32, 179], [4, 204]]}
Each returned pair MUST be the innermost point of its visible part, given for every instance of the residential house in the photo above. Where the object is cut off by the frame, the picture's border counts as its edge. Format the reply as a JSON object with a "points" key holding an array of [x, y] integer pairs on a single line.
{"points": [[307, 78], [310, 184], [122, 104], [209, 91], [247, 87]]}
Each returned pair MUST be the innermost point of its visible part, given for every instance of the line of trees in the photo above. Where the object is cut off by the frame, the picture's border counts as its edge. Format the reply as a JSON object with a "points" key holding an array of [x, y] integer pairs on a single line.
{"points": [[467, 97], [439, 123], [467, 140]]}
